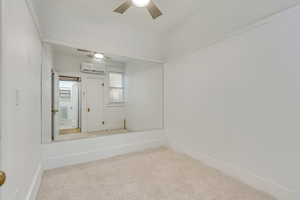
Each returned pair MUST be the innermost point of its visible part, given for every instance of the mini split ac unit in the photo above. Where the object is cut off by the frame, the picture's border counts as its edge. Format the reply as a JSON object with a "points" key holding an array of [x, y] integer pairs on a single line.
{"points": [[93, 68]]}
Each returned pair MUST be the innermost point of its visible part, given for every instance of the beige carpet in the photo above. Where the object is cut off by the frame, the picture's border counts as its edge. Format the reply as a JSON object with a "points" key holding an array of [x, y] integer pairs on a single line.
{"points": [[159, 174]]}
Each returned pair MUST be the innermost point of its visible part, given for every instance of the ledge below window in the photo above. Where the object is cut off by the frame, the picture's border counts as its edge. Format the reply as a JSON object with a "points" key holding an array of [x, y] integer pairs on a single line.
{"points": [[115, 105]]}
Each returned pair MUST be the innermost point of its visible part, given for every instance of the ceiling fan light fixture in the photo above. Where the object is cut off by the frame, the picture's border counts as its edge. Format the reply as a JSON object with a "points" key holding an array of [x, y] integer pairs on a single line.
{"points": [[140, 3], [152, 8], [98, 56]]}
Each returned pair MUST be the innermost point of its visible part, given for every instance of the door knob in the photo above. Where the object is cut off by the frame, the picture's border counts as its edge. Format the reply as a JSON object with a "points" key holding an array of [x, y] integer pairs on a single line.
{"points": [[89, 110], [2, 178], [55, 110]]}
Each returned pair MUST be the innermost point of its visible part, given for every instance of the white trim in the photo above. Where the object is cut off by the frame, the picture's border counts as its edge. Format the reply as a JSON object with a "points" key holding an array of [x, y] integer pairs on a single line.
{"points": [[245, 175], [62, 154], [35, 185], [34, 16]]}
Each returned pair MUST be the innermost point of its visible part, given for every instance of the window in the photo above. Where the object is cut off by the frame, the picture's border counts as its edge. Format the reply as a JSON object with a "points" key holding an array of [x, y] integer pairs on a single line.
{"points": [[116, 87]]}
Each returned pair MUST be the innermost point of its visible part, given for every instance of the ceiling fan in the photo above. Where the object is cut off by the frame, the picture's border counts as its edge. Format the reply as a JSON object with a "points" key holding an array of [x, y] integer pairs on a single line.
{"points": [[151, 6]]}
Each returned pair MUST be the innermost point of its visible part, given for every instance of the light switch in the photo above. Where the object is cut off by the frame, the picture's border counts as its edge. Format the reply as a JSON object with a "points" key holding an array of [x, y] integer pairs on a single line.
{"points": [[17, 97]]}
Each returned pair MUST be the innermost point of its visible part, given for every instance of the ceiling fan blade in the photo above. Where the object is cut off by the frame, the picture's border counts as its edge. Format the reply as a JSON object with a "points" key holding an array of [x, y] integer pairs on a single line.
{"points": [[123, 7], [154, 10], [83, 50]]}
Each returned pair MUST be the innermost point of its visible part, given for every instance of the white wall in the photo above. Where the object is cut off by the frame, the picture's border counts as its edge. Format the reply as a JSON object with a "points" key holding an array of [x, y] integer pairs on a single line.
{"points": [[85, 150], [47, 93], [144, 110], [67, 63], [236, 103], [21, 119]]}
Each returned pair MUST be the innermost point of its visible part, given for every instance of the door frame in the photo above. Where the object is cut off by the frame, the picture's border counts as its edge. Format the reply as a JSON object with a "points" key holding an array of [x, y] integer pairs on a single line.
{"points": [[55, 105], [2, 123]]}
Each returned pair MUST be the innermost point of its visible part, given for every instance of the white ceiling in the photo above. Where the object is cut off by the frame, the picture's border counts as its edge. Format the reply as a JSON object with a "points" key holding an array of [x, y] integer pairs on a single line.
{"points": [[59, 49], [95, 18], [175, 12], [100, 12]]}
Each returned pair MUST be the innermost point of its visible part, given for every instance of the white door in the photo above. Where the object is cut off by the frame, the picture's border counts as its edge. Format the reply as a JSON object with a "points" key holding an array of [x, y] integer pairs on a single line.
{"points": [[55, 105], [94, 102]]}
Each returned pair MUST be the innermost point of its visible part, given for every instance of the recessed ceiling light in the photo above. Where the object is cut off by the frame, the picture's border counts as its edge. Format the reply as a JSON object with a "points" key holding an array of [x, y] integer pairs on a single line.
{"points": [[140, 3], [98, 56]]}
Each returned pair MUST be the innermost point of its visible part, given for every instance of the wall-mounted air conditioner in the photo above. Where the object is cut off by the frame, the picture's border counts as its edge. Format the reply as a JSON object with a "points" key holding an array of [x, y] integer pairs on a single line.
{"points": [[93, 68]]}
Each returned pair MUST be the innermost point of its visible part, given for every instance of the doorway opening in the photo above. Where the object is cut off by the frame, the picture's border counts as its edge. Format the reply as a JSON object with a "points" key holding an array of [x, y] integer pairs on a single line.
{"points": [[66, 105]]}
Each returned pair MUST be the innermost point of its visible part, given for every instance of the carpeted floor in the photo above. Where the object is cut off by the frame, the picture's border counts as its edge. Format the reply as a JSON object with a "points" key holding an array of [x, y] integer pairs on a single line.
{"points": [[159, 174]]}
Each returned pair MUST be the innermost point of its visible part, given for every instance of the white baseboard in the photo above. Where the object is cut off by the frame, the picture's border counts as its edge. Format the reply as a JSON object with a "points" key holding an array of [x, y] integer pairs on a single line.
{"points": [[278, 191], [35, 185], [75, 152]]}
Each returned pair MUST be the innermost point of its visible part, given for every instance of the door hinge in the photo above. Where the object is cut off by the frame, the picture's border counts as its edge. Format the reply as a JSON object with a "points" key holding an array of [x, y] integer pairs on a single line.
{"points": [[55, 110]]}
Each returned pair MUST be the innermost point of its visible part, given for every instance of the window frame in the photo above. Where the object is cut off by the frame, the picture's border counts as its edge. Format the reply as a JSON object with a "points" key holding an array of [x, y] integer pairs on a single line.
{"points": [[109, 87]]}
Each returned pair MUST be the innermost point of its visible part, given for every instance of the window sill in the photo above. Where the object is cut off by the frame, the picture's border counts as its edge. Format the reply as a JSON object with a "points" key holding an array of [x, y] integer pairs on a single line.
{"points": [[115, 104]]}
